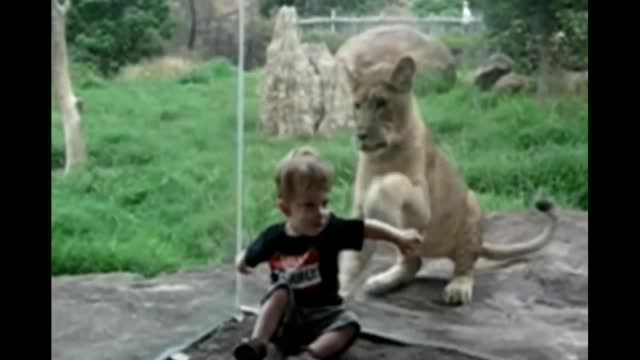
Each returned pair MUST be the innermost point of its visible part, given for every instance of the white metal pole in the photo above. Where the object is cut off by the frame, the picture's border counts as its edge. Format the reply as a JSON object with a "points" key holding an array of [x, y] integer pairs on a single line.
{"points": [[239, 144]]}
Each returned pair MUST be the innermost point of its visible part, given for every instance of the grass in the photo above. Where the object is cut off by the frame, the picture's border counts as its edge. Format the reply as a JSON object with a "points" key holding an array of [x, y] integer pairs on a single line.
{"points": [[158, 192]]}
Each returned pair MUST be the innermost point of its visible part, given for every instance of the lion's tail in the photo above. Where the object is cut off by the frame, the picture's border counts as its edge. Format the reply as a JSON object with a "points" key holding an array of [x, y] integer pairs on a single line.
{"points": [[505, 252]]}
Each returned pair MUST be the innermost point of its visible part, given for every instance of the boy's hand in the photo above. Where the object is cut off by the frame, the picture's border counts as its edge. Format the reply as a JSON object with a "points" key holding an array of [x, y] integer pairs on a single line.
{"points": [[409, 242], [244, 269], [241, 266]]}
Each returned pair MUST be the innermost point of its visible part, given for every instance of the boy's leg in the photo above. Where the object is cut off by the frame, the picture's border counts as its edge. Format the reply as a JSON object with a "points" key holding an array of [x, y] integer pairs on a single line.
{"points": [[335, 330], [270, 315], [334, 342], [273, 310]]}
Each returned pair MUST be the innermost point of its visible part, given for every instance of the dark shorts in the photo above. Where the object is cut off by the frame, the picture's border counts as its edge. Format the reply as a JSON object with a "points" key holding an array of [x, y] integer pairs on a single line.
{"points": [[300, 326]]}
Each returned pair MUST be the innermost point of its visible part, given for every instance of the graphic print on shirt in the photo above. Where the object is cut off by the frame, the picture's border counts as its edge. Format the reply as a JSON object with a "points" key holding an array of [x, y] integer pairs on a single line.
{"points": [[302, 270]]}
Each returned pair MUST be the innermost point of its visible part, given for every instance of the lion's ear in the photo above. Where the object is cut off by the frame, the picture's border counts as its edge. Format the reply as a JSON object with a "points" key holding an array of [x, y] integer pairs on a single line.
{"points": [[402, 75]]}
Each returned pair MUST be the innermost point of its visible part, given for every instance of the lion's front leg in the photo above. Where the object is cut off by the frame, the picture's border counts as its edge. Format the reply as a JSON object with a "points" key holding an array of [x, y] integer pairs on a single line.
{"points": [[396, 201], [459, 290], [351, 265]]}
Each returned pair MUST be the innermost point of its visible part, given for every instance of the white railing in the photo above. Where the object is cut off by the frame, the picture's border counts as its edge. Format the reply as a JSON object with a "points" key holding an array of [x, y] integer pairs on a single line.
{"points": [[390, 19], [429, 24]]}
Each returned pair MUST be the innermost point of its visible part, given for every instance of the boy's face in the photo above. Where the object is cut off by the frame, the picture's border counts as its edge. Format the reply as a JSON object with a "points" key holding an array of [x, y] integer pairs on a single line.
{"points": [[307, 211]]}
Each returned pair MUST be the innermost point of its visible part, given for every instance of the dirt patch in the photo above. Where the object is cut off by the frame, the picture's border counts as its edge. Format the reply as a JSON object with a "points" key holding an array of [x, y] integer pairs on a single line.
{"points": [[163, 66], [220, 343]]}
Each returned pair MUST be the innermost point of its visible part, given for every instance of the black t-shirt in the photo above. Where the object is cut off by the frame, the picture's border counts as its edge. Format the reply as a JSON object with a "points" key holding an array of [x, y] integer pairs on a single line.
{"points": [[310, 262]]}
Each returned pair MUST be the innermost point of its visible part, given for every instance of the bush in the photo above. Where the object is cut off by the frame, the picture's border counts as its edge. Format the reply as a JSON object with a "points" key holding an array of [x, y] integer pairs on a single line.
{"points": [[112, 33], [440, 7], [470, 49], [527, 38], [459, 41], [573, 52]]}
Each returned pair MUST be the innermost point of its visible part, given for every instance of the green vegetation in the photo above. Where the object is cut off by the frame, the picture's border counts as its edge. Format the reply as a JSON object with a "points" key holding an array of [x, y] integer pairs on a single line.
{"points": [[331, 39], [525, 30], [110, 34], [158, 192], [440, 7]]}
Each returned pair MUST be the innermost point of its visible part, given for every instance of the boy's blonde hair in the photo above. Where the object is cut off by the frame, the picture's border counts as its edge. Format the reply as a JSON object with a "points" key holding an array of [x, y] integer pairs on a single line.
{"points": [[302, 169]]}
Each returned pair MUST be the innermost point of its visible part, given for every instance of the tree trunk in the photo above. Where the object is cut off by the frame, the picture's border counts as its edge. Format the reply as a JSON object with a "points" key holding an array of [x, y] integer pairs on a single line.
{"points": [[68, 104], [544, 71], [545, 64], [194, 25]]}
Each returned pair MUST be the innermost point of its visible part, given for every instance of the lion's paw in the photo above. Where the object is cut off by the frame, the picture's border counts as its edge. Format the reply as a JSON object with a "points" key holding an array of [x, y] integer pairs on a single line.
{"points": [[458, 291]]}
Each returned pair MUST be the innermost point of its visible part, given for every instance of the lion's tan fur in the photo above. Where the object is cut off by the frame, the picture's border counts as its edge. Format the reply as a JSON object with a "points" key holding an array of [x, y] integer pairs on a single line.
{"points": [[403, 178]]}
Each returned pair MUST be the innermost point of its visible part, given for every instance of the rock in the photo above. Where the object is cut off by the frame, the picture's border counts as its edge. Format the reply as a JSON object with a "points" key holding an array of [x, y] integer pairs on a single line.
{"points": [[513, 83], [533, 309], [576, 82], [387, 44], [300, 91], [558, 81], [290, 84], [488, 74], [333, 108], [124, 316]]}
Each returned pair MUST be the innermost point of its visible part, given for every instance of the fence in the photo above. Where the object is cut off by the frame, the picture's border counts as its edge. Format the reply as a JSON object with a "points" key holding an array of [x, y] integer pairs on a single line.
{"points": [[216, 35], [470, 49], [346, 25]]}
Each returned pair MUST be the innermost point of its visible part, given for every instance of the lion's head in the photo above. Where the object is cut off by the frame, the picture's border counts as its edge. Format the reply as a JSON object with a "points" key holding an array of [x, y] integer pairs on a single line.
{"points": [[382, 104]]}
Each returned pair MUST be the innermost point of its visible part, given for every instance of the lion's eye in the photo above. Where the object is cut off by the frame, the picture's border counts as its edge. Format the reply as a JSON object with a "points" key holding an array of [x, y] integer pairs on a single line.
{"points": [[380, 103]]}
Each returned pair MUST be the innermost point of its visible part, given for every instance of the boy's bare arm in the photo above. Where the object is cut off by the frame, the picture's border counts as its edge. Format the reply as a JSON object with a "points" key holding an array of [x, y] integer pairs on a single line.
{"points": [[407, 240]]}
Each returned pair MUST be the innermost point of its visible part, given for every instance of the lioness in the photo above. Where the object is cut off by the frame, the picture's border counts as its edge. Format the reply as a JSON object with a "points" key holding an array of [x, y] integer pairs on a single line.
{"points": [[404, 179]]}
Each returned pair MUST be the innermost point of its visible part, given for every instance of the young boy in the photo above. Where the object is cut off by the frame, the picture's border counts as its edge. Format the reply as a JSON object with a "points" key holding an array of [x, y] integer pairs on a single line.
{"points": [[302, 311]]}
